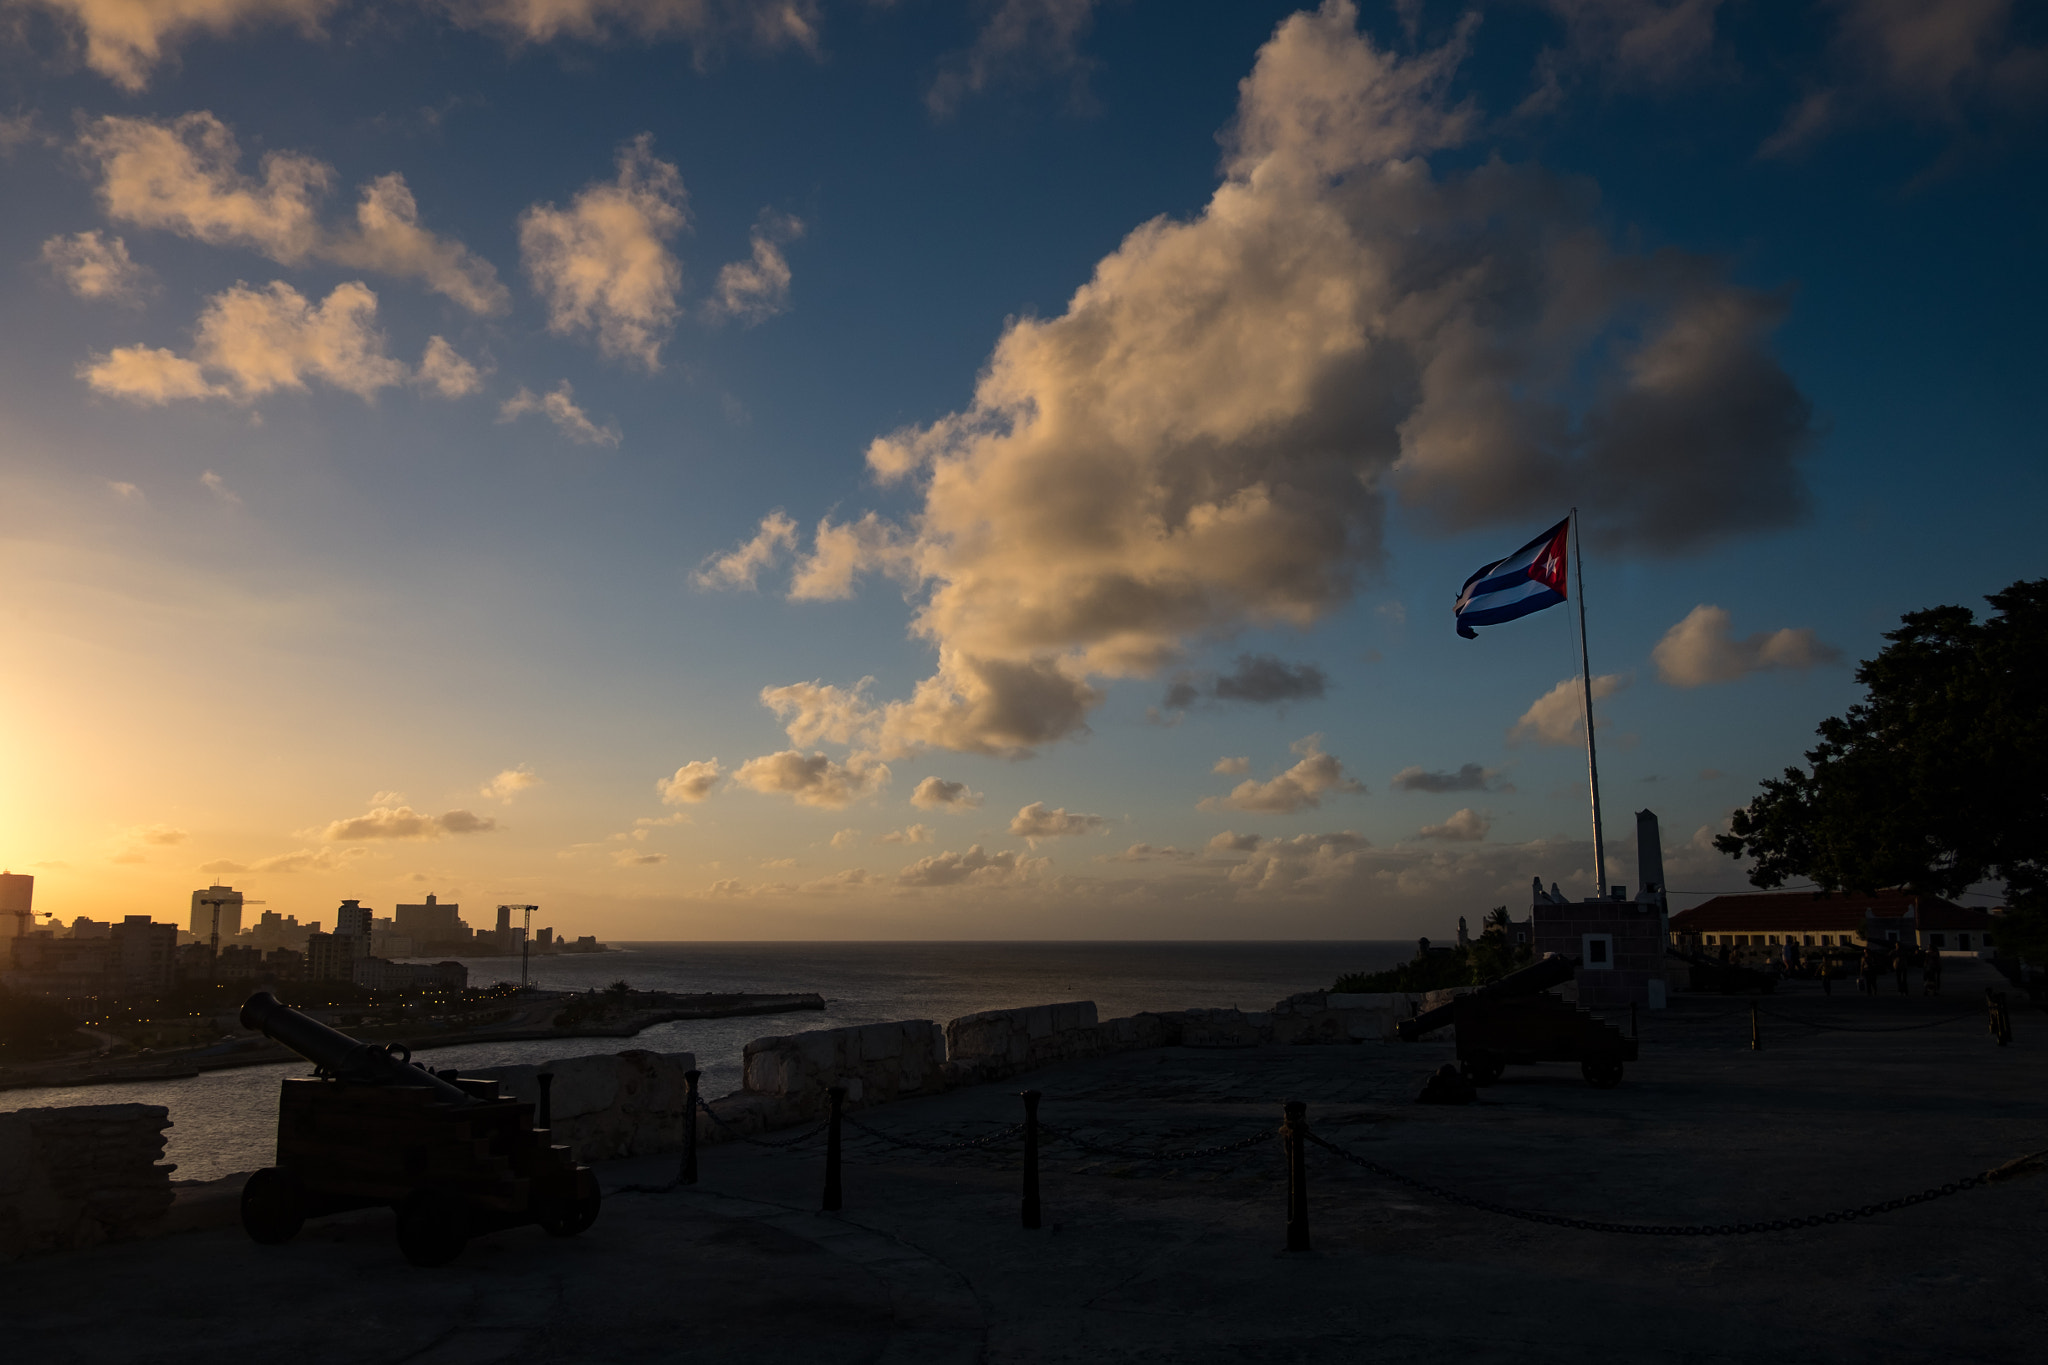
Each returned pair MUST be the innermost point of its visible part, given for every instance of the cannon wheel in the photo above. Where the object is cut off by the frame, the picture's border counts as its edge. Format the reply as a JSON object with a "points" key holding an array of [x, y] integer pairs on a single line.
{"points": [[433, 1227], [1483, 1068], [1601, 1075], [580, 1212], [273, 1207]]}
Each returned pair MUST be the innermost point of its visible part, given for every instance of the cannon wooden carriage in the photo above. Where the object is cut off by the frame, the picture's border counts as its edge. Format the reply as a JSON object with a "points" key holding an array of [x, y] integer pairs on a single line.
{"points": [[1515, 1022], [371, 1127]]}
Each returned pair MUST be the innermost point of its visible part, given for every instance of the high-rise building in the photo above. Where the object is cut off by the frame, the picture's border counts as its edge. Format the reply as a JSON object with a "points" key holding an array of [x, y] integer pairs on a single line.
{"points": [[17, 904], [230, 901], [432, 922], [144, 955]]}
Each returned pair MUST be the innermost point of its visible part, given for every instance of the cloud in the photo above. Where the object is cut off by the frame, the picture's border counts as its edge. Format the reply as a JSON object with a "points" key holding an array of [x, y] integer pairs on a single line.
{"points": [[1229, 841], [819, 713], [184, 176], [911, 834], [1021, 41], [757, 288], [846, 880], [1703, 649], [706, 25], [972, 868], [935, 793], [403, 822], [1711, 774], [1558, 716], [1656, 43], [126, 39], [741, 567], [163, 835], [846, 838], [603, 266], [1939, 61], [443, 370], [1467, 826], [647, 822], [1259, 678], [126, 492], [560, 408], [693, 783], [1035, 822], [1205, 438], [259, 341], [1300, 787], [627, 857], [839, 553], [507, 785], [812, 779], [92, 267], [300, 860], [218, 486], [1305, 863], [1232, 767], [1148, 853], [1469, 778]]}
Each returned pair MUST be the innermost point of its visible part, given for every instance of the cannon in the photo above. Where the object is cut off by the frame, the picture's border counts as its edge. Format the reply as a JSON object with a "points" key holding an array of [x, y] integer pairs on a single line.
{"points": [[1513, 1021], [370, 1127]]}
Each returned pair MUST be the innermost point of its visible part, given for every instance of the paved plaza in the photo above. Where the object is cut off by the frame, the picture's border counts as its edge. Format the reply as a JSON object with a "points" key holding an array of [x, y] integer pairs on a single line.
{"points": [[1180, 1260]]}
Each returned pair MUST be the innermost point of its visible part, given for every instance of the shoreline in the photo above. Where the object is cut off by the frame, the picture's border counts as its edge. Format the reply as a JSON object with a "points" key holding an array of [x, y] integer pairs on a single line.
{"points": [[256, 1050]]}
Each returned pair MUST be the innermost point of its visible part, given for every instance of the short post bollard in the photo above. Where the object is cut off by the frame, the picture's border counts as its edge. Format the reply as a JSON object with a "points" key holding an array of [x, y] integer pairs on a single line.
{"points": [[545, 1117], [1756, 1029], [2001, 1022], [837, 1095], [687, 1175], [1031, 1098], [1294, 1136]]}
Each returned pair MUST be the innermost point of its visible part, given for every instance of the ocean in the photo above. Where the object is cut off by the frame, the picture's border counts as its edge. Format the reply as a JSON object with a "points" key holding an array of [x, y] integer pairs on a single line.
{"points": [[225, 1121]]}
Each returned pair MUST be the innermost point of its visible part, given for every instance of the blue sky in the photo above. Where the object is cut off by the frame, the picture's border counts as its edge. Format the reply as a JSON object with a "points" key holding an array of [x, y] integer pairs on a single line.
{"points": [[304, 600]]}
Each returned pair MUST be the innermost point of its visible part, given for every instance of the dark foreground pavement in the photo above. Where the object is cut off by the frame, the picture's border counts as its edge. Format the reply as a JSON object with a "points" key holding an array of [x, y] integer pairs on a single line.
{"points": [[1180, 1260]]}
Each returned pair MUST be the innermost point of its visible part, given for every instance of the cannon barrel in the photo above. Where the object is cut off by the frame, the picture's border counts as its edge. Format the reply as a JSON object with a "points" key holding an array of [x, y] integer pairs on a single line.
{"points": [[339, 1055], [1539, 975]]}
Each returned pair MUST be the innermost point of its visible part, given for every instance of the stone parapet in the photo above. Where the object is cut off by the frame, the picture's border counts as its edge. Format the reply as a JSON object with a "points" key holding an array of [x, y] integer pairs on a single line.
{"points": [[876, 1063], [75, 1177], [610, 1104]]}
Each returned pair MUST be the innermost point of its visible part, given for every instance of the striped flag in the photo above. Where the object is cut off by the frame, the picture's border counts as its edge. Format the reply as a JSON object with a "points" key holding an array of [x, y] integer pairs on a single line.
{"points": [[1530, 579]]}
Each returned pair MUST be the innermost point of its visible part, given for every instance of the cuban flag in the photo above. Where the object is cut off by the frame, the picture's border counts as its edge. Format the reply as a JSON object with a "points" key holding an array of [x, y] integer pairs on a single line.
{"points": [[1530, 579]]}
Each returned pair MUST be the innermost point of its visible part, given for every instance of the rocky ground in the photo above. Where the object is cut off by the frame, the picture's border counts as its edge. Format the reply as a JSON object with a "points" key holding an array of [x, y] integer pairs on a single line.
{"points": [[1180, 1259]]}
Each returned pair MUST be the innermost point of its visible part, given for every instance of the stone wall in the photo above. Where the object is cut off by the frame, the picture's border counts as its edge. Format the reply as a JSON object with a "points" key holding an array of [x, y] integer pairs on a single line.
{"points": [[76, 1177], [608, 1105], [996, 1044], [876, 1063]]}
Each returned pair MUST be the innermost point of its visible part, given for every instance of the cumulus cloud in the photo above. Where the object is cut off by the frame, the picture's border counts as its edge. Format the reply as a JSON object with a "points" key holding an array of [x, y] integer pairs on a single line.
{"points": [[1466, 826], [1229, 841], [1305, 863], [1020, 41], [846, 838], [258, 341], [1559, 715], [403, 822], [741, 567], [910, 834], [1633, 42], [757, 288], [299, 860], [1939, 61], [1259, 678], [560, 408], [693, 783], [508, 784], [819, 713], [1469, 778], [94, 267], [602, 265], [1703, 649], [1301, 787], [443, 370], [1149, 853], [630, 857], [850, 879], [1035, 822], [162, 835], [1204, 438], [972, 868], [184, 176], [126, 492], [935, 793], [216, 485], [812, 779], [707, 26], [126, 39], [1232, 767]]}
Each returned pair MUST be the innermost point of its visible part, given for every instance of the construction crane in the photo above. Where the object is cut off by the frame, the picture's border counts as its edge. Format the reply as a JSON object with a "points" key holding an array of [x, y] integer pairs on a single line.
{"points": [[213, 952], [525, 937]]}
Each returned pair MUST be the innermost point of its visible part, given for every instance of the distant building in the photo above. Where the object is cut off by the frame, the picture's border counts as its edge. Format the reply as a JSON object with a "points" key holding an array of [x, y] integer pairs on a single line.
{"points": [[330, 957], [230, 901], [90, 928], [144, 956], [1769, 920], [432, 924], [67, 968], [281, 931], [386, 940], [374, 973], [17, 904]]}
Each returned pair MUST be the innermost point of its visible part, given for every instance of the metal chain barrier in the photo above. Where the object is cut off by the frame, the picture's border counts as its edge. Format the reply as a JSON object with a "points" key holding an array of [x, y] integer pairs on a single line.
{"points": [[802, 1137], [965, 1144], [1557, 1220], [1866, 1028], [1189, 1154]]}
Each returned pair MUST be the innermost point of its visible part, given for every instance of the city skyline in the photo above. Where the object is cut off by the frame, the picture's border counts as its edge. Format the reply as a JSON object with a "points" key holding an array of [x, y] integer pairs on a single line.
{"points": [[832, 470]]}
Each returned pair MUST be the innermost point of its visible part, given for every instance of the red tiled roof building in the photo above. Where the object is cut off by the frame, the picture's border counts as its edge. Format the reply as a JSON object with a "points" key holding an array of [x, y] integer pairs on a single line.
{"points": [[1843, 919]]}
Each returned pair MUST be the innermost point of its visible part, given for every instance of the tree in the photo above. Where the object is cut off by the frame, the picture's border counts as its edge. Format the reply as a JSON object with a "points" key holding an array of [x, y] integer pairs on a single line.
{"points": [[1936, 780]]}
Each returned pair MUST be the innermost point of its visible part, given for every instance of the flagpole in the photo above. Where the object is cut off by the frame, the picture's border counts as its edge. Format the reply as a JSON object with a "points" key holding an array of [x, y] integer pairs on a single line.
{"points": [[1586, 680]]}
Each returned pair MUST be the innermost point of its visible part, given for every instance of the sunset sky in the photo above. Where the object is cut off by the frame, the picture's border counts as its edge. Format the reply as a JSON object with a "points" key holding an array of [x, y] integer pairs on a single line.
{"points": [[854, 469]]}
